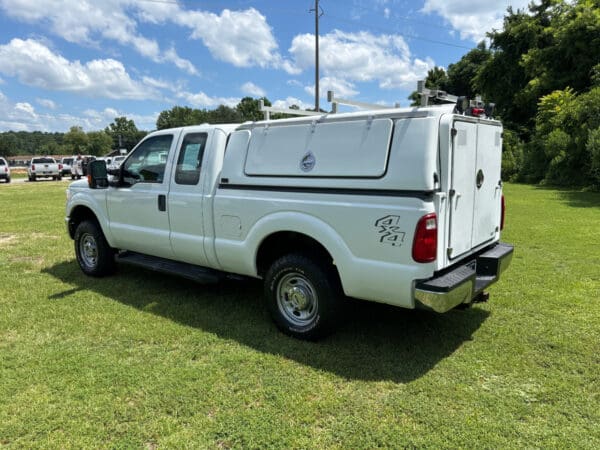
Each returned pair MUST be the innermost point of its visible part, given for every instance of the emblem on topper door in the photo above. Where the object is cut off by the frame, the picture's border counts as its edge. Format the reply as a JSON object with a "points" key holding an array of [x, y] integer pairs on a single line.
{"points": [[308, 161]]}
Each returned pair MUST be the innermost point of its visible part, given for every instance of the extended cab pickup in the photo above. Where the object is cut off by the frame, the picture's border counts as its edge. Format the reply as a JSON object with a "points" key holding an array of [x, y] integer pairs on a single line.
{"points": [[44, 167], [399, 206]]}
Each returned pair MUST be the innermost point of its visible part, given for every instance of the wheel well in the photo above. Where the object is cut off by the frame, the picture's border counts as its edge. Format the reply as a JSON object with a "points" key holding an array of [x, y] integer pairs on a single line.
{"points": [[78, 215], [285, 242]]}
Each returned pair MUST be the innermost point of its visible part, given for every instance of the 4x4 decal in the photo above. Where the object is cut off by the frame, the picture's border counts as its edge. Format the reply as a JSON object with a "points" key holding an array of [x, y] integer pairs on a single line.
{"points": [[389, 230]]}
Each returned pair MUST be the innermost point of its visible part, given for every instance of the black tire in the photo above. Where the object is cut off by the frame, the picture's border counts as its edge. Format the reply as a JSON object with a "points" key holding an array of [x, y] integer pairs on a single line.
{"points": [[33, 178], [8, 179], [95, 257], [60, 178], [72, 177], [303, 296]]}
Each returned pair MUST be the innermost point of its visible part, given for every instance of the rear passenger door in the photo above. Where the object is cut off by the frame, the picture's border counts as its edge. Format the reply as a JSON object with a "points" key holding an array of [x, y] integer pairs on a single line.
{"points": [[187, 198]]}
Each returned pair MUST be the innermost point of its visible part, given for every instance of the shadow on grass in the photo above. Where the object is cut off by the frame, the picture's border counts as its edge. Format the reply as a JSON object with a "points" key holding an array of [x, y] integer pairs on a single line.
{"points": [[575, 198], [374, 342]]}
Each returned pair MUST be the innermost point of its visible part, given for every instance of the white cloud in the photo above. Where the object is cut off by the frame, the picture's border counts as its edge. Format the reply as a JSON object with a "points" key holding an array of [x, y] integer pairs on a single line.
{"points": [[46, 103], [471, 19], [242, 38], [201, 100], [184, 64], [86, 22], [362, 57], [341, 88], [34, 64], [21, 116], [290, 101], [25, 108], [253, 90], [386, 13]]}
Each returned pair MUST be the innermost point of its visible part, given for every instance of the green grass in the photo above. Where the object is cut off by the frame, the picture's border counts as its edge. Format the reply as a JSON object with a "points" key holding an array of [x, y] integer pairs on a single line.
{"points": [[140, 360]]}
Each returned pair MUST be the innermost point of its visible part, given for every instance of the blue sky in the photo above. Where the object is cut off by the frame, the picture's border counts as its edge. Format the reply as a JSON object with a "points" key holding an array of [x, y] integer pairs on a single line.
{"points": [[84, 62]]}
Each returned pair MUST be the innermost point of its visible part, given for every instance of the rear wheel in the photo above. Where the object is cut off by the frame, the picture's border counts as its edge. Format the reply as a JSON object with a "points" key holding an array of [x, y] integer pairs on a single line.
{"points": [[303, 296], [95, 257]]}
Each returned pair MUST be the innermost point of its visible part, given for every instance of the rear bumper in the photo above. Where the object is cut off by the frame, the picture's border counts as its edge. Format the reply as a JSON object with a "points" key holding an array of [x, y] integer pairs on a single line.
{"points": [[463, 283]]}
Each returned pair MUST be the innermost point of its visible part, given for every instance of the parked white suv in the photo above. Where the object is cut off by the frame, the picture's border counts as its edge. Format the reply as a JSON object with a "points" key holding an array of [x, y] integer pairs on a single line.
{"points": [[4, 170]]}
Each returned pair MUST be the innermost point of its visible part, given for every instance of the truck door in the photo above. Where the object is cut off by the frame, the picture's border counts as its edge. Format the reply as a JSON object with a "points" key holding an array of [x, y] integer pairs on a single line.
{"points": [[462, 195], [137, 210], [488, 187], [186, 199], [476, 190]]}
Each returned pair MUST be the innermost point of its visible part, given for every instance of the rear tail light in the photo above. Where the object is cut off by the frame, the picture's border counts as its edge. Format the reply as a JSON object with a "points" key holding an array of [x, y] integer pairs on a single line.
{"points": [[503, 212], [33, 167], [60, 166], [5, 169], [425, 243]]}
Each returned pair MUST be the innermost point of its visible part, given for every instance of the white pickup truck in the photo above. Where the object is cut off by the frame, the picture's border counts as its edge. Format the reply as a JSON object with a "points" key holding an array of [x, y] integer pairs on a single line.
{"points": [[399, 206], [44, 167]]}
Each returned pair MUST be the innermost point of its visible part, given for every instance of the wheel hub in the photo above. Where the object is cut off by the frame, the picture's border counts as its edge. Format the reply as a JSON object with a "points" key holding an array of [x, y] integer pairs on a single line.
{"points": [[298, 297]]}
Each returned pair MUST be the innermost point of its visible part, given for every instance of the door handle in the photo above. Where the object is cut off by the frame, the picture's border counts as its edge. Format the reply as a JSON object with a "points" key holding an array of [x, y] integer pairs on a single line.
{"points": [[162, 202]]}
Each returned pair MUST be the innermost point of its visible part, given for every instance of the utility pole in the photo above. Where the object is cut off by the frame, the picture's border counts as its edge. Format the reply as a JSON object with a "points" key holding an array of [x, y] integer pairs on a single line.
{"points": [[318, 13]]}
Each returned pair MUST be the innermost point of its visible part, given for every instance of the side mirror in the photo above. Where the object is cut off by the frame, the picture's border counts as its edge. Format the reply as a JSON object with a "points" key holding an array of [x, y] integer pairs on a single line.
{"points": [[97, 175]]}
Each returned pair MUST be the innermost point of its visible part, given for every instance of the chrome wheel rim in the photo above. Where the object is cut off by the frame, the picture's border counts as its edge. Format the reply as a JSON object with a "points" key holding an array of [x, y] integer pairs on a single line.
{"points": [[88, 250], [297, 299]]}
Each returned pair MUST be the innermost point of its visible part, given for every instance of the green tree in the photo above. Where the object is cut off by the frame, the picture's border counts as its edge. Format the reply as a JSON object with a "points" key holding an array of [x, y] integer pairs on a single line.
{"points": [[461, 75], [224, 114], [436, 79], [249, 109], [76, 140], [123, 132], [99, 143], [180, 116]]}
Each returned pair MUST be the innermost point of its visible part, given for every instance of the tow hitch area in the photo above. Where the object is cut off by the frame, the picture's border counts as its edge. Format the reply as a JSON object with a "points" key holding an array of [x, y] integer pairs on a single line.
{"points": [[465, 283]]}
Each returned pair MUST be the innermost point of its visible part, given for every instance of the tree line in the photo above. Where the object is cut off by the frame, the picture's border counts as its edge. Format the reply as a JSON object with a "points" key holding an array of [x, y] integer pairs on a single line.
{"points": [[542, 70]]}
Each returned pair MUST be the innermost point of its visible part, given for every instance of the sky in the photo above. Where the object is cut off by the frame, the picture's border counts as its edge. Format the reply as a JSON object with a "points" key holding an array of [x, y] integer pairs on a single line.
{"points": [[82, 63]]}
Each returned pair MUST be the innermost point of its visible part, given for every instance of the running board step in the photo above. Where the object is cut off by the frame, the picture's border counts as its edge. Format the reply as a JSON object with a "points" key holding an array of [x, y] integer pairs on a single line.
{"points": [[199, 274]]}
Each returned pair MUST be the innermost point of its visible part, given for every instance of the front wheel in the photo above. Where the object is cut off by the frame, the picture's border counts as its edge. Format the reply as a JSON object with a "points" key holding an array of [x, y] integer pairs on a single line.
{"points": [[303, 296], [95, 257]]}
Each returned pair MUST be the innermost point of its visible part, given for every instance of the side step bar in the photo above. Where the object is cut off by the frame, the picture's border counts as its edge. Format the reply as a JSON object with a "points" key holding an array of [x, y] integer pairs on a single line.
{"points": [[465, 282], [199, 274]]}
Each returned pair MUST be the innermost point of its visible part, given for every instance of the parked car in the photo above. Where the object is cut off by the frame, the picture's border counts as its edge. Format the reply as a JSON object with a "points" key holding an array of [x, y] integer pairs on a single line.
{"points": [[4, 170], [67, 162], [115, 162], [44, 167]]}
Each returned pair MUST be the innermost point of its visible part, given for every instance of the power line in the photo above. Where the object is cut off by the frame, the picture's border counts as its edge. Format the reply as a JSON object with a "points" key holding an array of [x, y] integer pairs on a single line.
{"points": [[407, 35]]}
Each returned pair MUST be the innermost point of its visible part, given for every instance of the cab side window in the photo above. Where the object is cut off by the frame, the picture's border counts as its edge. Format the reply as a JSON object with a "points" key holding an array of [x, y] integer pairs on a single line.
{"points": [[147, 162], [190, 159]]}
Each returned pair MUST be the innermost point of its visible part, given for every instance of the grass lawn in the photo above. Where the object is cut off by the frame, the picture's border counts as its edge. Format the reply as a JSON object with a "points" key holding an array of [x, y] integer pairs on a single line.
{"points": [[140, 360]]}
